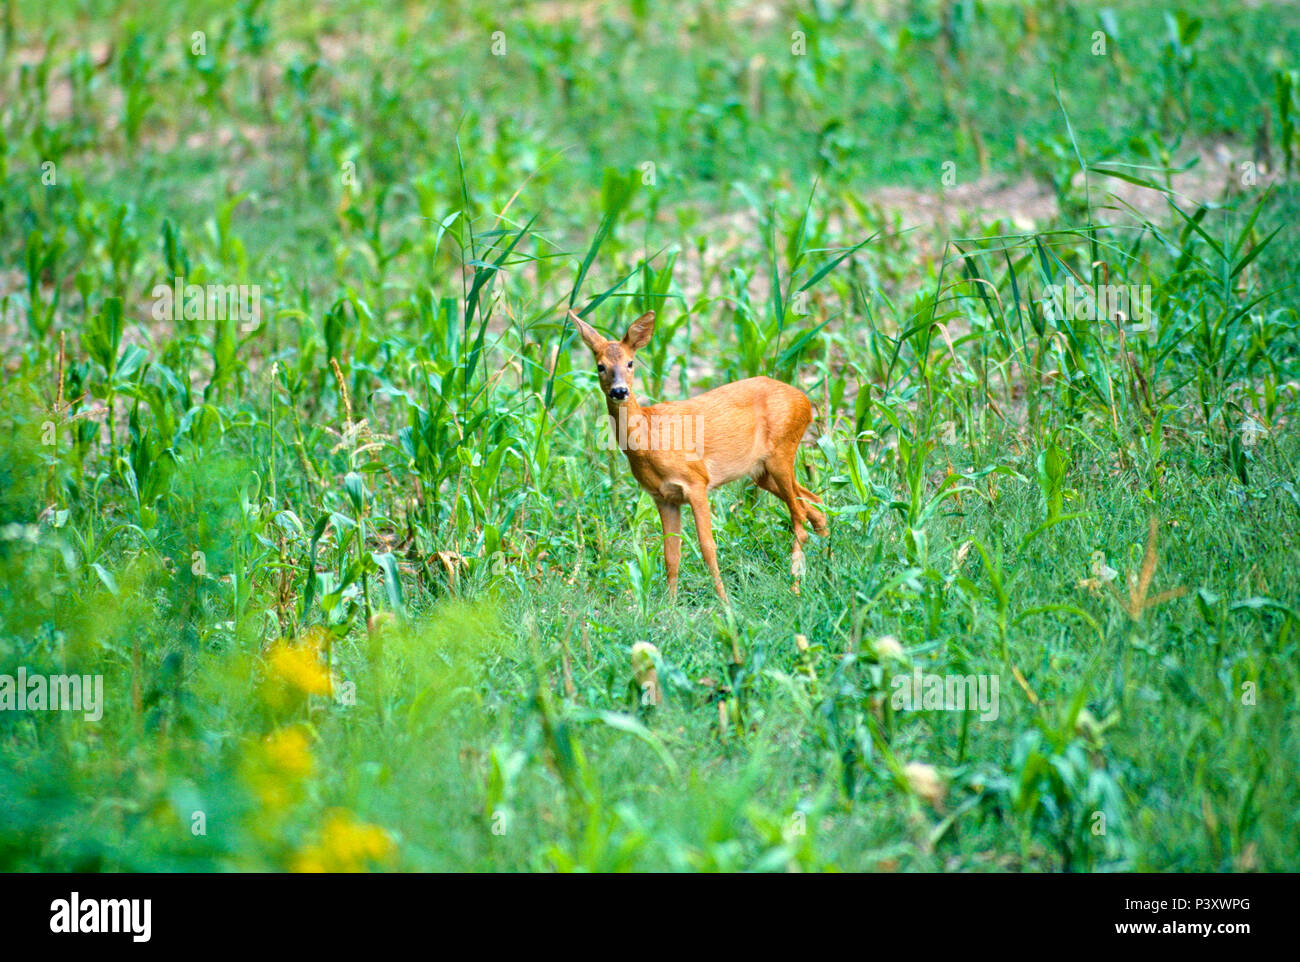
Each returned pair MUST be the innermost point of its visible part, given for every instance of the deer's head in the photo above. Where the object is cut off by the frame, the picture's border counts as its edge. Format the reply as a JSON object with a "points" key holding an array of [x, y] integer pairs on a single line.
{"points": [[616, 360]]}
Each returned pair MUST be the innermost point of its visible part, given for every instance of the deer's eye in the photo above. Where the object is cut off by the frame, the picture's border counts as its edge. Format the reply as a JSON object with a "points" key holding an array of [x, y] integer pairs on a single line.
{"points": [[629, 365], [600, 368]]}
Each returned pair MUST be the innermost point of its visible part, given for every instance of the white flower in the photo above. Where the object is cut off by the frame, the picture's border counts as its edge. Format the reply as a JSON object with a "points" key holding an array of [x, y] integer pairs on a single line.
{"points": [[925, 781], [1103, 572], [887, 648]]}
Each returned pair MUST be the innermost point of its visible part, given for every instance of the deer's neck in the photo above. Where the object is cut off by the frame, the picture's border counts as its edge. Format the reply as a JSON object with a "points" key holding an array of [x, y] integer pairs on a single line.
{"points": [[626, 419]]}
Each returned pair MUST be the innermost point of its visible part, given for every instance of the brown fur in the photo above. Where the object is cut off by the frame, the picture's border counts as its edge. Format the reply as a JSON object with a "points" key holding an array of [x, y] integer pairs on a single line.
{"points": [[748, 429]]}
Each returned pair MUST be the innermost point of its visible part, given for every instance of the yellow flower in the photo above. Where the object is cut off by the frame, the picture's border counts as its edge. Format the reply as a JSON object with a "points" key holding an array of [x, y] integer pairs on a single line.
{"points": [[275, 768], [299, 664], [346, 845], [288, 752]]}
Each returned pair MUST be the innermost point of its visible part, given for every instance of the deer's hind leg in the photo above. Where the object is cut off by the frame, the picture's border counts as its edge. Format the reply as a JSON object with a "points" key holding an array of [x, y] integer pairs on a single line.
{"points": [[782, 485], [808, 499]]}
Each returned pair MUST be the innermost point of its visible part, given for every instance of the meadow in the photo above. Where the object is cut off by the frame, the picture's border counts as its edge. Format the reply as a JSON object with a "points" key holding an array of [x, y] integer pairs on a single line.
{"points": [[300, 456]]}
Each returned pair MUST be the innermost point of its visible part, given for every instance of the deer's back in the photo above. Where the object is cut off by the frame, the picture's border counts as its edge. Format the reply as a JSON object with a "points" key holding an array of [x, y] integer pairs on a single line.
{"points": [[742, 424]]}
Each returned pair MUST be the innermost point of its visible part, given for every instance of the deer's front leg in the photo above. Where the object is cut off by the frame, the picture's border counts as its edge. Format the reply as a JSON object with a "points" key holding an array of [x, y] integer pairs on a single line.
{"points": [[670, 516], [704, 528]]}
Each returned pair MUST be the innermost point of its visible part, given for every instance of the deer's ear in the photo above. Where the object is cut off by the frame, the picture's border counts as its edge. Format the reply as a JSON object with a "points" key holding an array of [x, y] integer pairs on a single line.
{"points": [[589, 335], [639, 331]]}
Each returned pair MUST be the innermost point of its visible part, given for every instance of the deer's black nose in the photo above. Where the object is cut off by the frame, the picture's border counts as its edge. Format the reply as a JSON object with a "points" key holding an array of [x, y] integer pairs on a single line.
{"points": [[618, 393]]}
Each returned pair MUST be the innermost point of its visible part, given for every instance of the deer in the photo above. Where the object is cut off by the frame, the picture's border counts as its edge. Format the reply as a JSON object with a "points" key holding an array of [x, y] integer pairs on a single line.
{"points": [[679, 451]]}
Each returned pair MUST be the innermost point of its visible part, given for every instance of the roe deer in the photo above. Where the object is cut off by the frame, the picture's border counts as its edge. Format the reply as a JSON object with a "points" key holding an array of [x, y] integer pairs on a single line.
{"points": [[680, 450]]}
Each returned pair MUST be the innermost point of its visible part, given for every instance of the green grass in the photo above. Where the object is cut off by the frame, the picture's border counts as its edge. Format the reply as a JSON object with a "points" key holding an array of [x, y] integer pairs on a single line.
{"points": [[394, 480]]}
